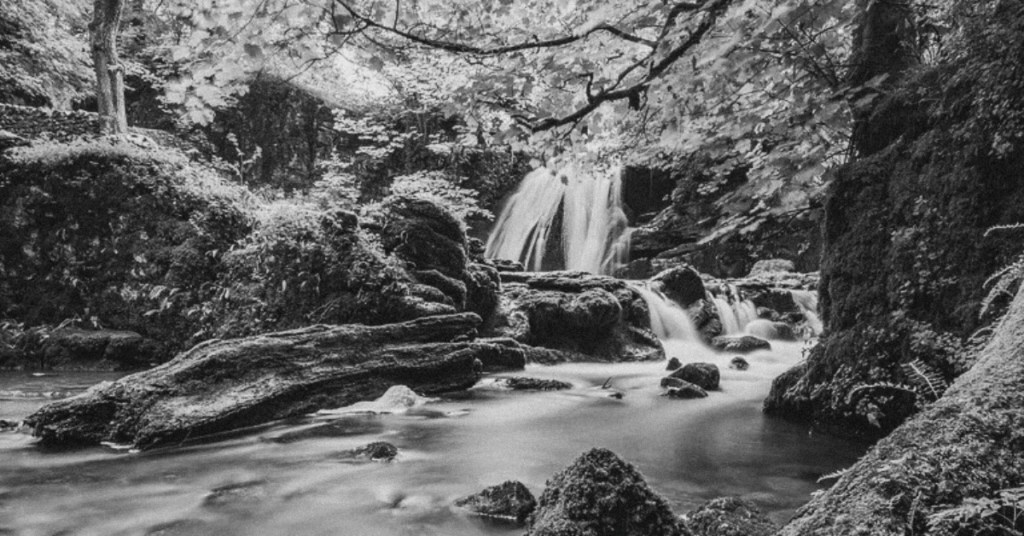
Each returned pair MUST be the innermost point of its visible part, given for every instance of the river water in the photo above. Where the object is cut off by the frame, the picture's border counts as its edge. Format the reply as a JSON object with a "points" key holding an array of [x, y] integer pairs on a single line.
{"points": [[295, 478]]}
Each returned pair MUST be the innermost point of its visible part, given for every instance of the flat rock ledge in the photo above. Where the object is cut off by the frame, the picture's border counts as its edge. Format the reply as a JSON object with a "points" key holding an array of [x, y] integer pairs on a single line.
{"points": [[224, 385]]}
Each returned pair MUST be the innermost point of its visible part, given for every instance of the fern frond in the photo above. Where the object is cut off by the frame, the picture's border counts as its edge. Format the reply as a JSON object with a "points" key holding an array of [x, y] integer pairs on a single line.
{"points": [[925, 379], [1004, 279], [834, 475], [1009, 227]]}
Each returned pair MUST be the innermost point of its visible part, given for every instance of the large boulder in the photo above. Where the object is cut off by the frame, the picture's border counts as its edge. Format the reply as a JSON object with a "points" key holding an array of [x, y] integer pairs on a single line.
{"points": [[510, 501], [576, 317], [424, 234], [223, 385], [682, 284], [729, 516], [600, 494]]}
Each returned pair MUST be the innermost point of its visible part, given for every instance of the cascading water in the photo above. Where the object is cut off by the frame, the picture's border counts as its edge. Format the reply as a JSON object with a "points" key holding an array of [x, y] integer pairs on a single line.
{"points": [[594, 231], [669, 320]]}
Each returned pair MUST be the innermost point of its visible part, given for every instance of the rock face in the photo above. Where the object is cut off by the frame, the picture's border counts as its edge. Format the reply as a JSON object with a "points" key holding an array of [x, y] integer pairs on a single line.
{"points": [[431, 240], [704, 375], [967, 446], [574, 316], [600, 494], [907, 248], [223, 385], [511, 501], [729, 516], [739, 343]]}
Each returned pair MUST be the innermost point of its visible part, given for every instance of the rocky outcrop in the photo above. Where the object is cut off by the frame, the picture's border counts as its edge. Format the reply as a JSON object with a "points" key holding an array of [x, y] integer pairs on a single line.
{"points": [[72, 348], [600, 494], [933, 474], [907, 247], [729, 516], [574, 316], [510, 501], [223, 385]]}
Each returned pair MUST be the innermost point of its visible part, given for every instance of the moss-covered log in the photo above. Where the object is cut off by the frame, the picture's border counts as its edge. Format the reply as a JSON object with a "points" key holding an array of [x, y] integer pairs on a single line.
{"points": [[228, 384], [967, 445]]}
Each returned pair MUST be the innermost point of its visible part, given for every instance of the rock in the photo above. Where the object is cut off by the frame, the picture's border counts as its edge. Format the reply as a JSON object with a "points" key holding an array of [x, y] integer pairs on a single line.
{"points": [[673, 364], [510, 501], [682, 284], [739, 343], [704, 375], [483, 290], [223, 385], [616, 395], [454, 289], [378, 451], [729, 516], [738, 363], [686, 390], [771, 266], [574, 316], [424, 234], [236, 495], [533, 384], [669, 382], [600, 494]]}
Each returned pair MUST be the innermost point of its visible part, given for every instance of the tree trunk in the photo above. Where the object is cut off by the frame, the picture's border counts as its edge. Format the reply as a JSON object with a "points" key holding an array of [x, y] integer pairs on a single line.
{"points": [[109, 71], [968, 444], [219, 386]]}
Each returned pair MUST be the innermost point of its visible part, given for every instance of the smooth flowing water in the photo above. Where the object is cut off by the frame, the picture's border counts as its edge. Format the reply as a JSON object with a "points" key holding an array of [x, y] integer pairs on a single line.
{"points": [[294, 478], [593, 232]]}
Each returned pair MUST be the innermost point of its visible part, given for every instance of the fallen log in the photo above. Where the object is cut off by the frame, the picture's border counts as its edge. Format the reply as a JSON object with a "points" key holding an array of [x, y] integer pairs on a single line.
{"points": [[928, 475], [224, 385]]}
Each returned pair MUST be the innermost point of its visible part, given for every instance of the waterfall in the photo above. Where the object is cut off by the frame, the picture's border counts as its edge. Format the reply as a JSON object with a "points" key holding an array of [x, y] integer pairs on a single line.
{"points": [[594, 232], [669, 320], [807, 301]]}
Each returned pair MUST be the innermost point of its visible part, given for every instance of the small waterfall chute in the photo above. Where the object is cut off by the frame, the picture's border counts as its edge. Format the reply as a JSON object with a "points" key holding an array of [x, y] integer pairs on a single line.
{"points": [[594, 230], [669, 320]]}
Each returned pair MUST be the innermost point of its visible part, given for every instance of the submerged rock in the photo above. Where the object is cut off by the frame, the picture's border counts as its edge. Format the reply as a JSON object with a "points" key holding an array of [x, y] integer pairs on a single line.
{"points": [[600, 494], [729, 516], [378, 451], [510, 501], [739, 343], [704, 375]]}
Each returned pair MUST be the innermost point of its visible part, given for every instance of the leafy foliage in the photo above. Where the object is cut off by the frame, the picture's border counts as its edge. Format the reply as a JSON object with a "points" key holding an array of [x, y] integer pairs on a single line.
{"points": [[1002, 514]]}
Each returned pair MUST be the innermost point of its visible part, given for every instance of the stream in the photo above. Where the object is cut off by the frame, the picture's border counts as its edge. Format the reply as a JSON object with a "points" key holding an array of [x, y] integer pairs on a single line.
{"points": [[294, 478]]}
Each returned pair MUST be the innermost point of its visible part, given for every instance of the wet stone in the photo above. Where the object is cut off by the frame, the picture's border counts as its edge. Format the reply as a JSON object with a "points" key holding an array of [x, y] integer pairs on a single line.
{"points": [[738, 363], [378, 451], [233, 495], [510, 501], [673, 364], [686, 391], [704, 375]]}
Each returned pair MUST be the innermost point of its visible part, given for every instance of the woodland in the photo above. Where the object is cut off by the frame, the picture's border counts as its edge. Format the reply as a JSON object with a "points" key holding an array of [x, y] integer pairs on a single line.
{"points": [[242, 215]]}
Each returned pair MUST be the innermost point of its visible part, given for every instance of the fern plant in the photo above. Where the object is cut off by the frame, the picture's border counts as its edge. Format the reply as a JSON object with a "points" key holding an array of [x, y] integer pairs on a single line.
{"points": [[926, 380], [1005, 281]]}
